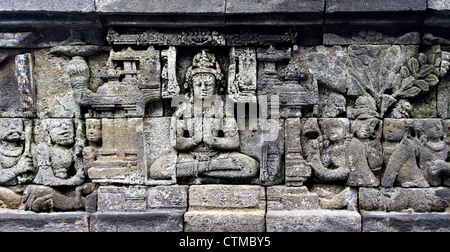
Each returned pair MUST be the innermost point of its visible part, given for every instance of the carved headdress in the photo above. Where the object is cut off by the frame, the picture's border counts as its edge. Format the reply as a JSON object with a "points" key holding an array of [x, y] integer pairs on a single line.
{"points": [[203, 62]]}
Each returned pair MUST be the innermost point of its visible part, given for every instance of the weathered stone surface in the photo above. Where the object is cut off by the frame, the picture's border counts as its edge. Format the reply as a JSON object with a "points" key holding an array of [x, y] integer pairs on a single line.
{"points": [[19, 221], [438, 5], [371, 37], [284, 6], [17, 39], [405, 222], [297, 171], [206, 197], [399, 199], [51, 6], [18, 91], [166, 7], [55, 98], [137, 222], [16, 162], [157, 133], [291, 198], [443, 98], [336, 197], [142, 198], [400, 156], [333, 6], [313, 221], [120, 158], [226, 208], [338, 157], [122, 199], [226, 115], [225, 221], [207, 143], [433, 151], [164, 198]]}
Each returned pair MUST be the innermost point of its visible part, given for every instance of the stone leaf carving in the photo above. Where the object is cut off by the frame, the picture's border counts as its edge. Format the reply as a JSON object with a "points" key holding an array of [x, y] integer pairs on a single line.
{"points": [[384, 74], [419, 75]]}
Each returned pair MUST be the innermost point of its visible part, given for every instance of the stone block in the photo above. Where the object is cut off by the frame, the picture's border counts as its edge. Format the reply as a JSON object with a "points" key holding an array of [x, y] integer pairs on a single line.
{"points": [[297, 170], [20, 221], [55, 97], [158, 7], [142, 198], [333, 6], [157, 144], [443, 98], [137, 222], [51, 6], [371, 37], [225, 221], [122, 199], [226, 208], [281, 6], [313, 221], [440, 5], [209, 197], [291, 198], [405, 222], [121, 158], [167, 198], [17, 93], [399, 199]]}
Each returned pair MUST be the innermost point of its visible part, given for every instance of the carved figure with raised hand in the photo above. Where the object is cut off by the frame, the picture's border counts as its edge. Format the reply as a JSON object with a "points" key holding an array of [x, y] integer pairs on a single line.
{"points": [[339, 157], [60, 176], [16, 164], [94, 137], [367, 130], [399, 154], [433, 150], [58, 160]]}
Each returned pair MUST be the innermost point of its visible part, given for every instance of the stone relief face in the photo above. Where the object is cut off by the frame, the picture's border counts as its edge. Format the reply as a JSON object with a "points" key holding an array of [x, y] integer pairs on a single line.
{"points": [[93, 130], [62, 132], [204, 85], [433, 129], [394, 130], [335, 105], [12, 130], [366, 128], [335, 129]]}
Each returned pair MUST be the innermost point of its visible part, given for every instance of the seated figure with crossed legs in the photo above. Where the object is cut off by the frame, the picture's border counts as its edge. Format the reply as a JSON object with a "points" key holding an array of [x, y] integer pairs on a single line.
{"points": [[207, 143]]}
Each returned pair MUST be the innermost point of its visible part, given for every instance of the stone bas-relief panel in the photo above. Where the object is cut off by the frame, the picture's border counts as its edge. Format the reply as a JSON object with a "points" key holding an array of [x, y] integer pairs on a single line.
{"points": [[247, 136]]}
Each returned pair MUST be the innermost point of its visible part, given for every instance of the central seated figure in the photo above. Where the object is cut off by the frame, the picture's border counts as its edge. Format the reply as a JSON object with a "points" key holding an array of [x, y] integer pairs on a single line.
{"points": [[206, 141]]}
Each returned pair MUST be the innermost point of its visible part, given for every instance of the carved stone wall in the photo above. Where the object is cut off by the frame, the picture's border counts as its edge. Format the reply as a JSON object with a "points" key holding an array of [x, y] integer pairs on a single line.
{"points": [[323, 115]]}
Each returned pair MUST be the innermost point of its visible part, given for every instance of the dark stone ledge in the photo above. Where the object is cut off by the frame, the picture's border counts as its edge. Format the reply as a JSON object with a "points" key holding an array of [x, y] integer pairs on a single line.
{"points": [[405, 222], [333, 6], [137, 222], [19, 221]]}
